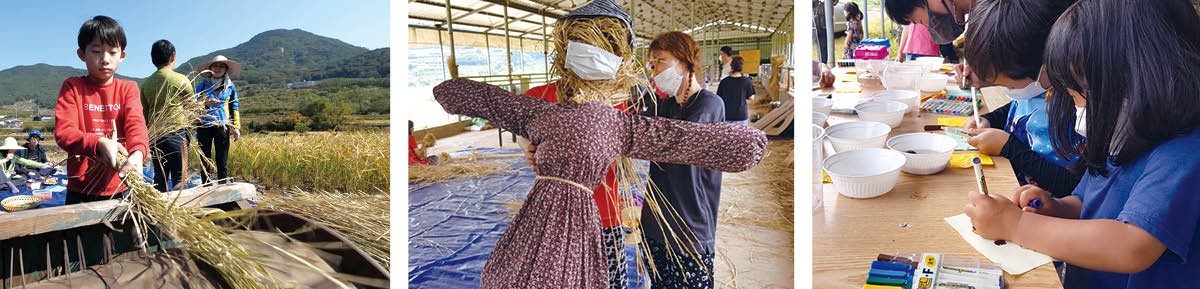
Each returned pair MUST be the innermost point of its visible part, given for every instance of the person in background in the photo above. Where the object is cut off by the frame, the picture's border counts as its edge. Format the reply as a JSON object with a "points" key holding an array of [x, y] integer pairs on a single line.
{"points": [[221, 121], [98, 117], [164, 88], [33, 152], [735, 90], [854, 29], [12, 160], [1125, 101], [915, 42], [819, 24], [726, 56]]}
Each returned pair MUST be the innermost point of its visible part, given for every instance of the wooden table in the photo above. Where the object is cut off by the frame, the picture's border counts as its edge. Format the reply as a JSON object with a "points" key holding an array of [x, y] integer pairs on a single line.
{"points": [[849, 233]]}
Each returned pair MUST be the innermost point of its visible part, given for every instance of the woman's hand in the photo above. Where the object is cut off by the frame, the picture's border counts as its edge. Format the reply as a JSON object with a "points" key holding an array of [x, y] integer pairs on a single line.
{"points": [[993, 216], [989, 141]]}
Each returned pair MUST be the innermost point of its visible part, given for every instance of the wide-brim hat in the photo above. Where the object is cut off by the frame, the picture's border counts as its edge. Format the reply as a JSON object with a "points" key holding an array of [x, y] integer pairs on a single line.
{"points": [[234, 67], [10, 143], [603, 8]]}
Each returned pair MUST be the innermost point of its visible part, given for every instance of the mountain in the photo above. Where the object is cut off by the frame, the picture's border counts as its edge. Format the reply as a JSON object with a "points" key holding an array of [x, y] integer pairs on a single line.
{"points": [[372, 64], [39, 82], [280, 56]]}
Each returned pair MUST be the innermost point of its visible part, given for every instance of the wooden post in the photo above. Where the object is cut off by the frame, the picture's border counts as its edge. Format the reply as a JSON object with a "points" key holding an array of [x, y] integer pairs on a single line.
{"points": [[450, 24]]}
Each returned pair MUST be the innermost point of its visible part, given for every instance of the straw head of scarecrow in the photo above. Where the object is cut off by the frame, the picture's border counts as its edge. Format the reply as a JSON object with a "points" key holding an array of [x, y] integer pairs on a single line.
{"points": [[594, 56]]}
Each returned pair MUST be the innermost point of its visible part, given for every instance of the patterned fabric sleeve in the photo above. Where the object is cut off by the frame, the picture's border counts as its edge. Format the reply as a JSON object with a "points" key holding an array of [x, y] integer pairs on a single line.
{"points": [[720, 146], [477, 99]]}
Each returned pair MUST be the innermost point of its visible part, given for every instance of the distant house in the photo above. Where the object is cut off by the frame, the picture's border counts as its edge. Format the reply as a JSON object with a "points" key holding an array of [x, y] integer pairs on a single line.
{"points": [[15, 123], [43, 118], [302, 84]]}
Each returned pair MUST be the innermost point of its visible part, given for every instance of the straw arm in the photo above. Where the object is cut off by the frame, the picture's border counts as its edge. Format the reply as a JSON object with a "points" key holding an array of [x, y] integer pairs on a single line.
{"points": [[477, 99], [720, 146]]}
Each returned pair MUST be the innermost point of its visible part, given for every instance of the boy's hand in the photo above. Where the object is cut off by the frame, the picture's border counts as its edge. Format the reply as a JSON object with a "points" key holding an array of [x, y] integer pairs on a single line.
{"points": [[134, 163], [235, 134], [989, 141], [993, 216], [109, 151], [970, 124], [212, 102], [1026, 194], [962, 71]]}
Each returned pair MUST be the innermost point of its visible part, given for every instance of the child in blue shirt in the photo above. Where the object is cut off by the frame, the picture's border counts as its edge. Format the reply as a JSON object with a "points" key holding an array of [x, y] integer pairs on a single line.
{"points": [[1005, 42], [1132, 222]]}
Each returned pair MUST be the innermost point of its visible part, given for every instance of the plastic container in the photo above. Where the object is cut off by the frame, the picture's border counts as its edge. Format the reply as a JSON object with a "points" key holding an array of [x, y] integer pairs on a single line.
{"points": [[926, 153], [885, 111], [819, 119], [818, 155], [931, 63], [934, 82], [909, 97], [864, 173], [903, 76], [822, 105], [857, 135]]}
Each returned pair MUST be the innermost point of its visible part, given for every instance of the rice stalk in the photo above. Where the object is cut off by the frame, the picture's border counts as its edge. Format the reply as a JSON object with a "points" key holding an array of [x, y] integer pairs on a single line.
{"points": [[424, 175], [361, 217]]}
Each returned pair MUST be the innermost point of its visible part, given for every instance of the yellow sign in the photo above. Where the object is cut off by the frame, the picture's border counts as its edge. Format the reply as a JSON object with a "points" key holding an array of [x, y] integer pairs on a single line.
{"points": [[751, 60]]}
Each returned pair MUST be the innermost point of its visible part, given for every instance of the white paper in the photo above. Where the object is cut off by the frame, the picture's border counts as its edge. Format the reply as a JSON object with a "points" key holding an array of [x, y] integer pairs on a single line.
{"points": [[1011, 257]]}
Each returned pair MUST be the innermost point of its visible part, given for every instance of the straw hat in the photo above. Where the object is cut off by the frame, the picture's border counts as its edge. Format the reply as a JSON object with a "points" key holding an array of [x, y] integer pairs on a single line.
{"points": [[10, 143], [234, 67]]}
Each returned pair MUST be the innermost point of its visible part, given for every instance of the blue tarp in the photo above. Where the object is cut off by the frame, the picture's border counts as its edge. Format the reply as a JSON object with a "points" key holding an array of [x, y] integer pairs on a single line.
{"points": [[454, 225]]}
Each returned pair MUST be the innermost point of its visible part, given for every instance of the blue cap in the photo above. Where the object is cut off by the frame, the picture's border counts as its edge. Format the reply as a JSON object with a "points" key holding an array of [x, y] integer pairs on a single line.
{"points": [[35, 133]]}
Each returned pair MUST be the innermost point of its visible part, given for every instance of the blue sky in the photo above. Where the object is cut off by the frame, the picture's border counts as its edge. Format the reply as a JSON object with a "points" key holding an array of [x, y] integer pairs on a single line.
{"points": [[45, 31]]}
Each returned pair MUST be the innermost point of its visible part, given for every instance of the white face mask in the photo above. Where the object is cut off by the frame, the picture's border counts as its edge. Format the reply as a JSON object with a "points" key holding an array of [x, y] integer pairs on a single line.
{"points": [[590, 62], [1033, 89], [1081, 121], [668, 81]]}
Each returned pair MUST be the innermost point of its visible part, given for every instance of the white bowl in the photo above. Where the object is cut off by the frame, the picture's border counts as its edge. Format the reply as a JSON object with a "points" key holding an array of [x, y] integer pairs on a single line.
{"points": [[819, 119], [904, 76], [857, 134], [909, 97], [933, 151], [818, 187], [822, 105], [885, 111], [931, 63], [934, 82], [864, 173]]}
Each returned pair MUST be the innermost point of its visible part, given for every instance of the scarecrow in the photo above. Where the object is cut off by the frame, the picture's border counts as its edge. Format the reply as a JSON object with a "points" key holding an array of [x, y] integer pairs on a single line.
{"points": [[555, 240]]}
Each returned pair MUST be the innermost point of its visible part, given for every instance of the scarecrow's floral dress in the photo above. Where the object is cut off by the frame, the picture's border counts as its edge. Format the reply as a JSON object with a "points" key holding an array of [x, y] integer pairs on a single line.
{"points": [[555, 239]]}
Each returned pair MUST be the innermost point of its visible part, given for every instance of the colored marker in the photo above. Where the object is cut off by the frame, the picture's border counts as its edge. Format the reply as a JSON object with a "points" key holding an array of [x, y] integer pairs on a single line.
{"points": [[1035, 203], [975, 108], [884, 265], [979, 176], [886, 281]]}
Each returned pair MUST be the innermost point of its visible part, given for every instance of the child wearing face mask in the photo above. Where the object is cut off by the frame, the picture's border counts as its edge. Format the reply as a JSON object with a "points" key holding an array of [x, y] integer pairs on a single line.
{"points": [[1133, 220], [1004, 47]]}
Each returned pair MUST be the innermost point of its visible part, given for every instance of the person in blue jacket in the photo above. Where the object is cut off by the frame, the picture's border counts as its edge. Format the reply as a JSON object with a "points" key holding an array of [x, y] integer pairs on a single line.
{"points": [[221, 121]]}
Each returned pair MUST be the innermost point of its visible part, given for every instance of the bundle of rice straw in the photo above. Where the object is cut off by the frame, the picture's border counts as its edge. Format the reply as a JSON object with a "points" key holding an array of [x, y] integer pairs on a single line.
{"points": [[199, 237], [363, 218]]}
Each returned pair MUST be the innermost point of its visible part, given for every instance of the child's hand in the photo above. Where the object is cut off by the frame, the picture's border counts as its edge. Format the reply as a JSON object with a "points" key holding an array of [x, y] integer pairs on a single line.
{"points": [[235, 134], [962, 74], [1026, 194], [970, 124], [134, 163], [109, 151], [529, 150], [212, 101], [989, 141], [993, 216]]}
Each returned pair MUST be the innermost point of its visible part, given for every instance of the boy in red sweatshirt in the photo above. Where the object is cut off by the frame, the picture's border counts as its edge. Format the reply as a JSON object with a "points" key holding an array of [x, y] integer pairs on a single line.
{"points": [[99, 118]]}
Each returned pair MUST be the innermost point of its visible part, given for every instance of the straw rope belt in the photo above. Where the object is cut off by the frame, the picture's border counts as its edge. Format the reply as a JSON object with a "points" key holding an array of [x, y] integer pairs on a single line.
{"points": [[565, 181]]}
